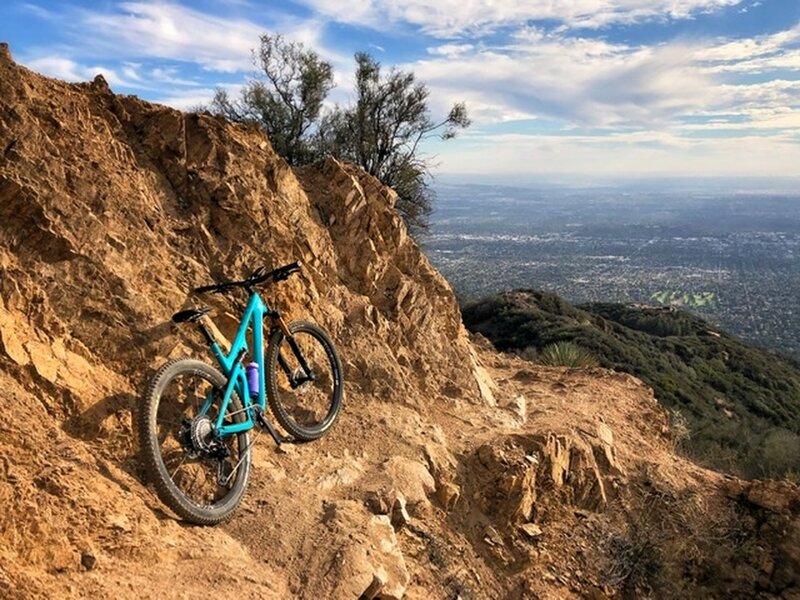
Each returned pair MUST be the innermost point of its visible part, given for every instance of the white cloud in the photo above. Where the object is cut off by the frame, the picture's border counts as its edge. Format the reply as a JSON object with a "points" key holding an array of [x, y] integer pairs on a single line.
{"points": [[171, 31], [153, 29], [38, 11], [140, 34], [748, 49], [170, 75], [682, 106], [593, 83], [581, 81], [679, 107], [759, 120], [450, 49], [69, 70], [189, 99], [449, 18]]}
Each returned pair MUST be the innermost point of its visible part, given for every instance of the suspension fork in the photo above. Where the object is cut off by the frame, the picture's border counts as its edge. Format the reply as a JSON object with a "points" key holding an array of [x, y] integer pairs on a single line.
{"points": [[279, 322]]}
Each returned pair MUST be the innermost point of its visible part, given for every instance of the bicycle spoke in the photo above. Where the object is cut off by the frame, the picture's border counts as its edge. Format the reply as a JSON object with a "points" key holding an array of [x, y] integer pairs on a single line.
{"points": [[180, 464], [176, 417], [244, 455]]}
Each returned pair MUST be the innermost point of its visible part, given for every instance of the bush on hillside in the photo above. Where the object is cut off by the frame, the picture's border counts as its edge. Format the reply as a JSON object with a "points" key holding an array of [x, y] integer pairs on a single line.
{"points": [[735, 398], [567, 354], [381, 130]]}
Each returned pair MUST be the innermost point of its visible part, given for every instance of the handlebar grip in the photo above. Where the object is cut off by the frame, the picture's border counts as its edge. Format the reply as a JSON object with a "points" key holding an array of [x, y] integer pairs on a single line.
{"points": [[215, 287], [205, 288], [283, 272]]}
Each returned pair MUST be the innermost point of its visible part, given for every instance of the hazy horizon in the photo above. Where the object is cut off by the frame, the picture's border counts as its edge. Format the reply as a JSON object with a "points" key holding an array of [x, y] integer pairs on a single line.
{"points": [[783, 185]]}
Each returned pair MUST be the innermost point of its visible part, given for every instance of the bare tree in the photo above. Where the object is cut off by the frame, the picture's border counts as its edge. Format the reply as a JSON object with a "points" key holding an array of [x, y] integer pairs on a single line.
{"points": [[285, 99], [383, 130]]}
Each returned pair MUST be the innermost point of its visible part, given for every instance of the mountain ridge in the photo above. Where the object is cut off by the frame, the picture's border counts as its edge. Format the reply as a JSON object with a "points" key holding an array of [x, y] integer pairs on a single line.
{"points": [[516, 481], [741, 400]]}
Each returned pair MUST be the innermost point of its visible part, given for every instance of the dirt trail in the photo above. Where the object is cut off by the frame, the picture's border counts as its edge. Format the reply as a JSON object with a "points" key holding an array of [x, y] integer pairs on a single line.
{"points": [[517, 481]]}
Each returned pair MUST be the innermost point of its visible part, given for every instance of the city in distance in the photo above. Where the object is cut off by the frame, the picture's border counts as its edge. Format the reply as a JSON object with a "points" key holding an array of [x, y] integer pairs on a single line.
{"points": [[726, 251]]}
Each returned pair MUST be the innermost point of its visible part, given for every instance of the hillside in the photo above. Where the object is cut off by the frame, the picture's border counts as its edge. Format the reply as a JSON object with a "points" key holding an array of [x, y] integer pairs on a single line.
{"points": [[519, 481], [742, 403]]}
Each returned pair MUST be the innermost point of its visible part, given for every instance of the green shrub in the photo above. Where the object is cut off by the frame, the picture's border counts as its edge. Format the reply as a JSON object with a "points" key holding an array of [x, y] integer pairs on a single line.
{"points": [[680, 433], [688, 372], [780, 453], [567, 354]]}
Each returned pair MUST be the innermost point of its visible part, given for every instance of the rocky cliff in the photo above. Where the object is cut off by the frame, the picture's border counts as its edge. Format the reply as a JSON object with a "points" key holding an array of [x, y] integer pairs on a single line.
{"points": [[454, 471]]}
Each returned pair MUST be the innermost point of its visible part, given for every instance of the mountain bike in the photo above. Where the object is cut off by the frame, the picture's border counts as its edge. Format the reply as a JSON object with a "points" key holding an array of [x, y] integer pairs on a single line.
{"points": [[195, 419]]}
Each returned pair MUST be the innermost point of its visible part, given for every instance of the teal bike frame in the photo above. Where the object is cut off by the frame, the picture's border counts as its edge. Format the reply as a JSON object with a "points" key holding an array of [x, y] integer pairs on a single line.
{"points": [[231, 366]]}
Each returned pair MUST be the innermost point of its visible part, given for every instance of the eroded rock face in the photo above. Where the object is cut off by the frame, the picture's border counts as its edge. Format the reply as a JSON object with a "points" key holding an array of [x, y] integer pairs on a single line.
{"points": [[153, 202], [436, 483], [519, 477], [111, 210], [366, 556], [776, 508]]}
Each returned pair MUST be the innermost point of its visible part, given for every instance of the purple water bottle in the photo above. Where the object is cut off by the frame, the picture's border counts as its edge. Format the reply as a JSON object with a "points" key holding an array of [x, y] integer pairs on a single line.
{"points": [[252, 379]]}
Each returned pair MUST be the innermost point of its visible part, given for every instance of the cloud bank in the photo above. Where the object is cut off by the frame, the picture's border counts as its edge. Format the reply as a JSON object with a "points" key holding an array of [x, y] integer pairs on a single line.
{"points": [[549, 85]]}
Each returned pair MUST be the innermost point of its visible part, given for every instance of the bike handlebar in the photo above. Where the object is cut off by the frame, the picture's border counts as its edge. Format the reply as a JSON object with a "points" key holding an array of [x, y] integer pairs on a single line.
{"points": [[257, 277]]}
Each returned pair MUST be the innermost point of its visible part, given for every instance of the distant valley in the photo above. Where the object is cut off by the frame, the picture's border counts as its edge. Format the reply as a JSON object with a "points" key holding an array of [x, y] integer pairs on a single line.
{"points": [[728, 256]]}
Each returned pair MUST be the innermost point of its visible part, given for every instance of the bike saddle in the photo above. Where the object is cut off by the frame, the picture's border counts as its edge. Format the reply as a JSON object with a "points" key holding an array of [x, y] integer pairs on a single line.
{"points": [[191, 314]]}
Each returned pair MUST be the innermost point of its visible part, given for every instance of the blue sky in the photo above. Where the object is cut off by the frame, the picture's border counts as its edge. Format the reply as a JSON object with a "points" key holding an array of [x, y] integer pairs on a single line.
{"points": [[569, 90]]}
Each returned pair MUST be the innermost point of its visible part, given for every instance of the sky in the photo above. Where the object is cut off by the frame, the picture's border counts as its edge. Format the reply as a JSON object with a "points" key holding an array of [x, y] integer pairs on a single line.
{"points": [[558, 90]]}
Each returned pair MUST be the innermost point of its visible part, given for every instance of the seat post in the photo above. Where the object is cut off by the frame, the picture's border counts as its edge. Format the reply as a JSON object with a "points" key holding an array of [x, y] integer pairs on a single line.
{"points": [[212, 333], [206, 333]]}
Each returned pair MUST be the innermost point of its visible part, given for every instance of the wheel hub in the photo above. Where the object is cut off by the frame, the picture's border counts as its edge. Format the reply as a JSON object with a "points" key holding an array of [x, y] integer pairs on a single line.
{"points": [[199, 439], [298, 375], [201, 434]]}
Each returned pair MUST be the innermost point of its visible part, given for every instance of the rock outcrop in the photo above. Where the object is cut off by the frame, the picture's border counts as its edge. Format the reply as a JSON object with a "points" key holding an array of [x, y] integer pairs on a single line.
{"points": [[454, 471]]}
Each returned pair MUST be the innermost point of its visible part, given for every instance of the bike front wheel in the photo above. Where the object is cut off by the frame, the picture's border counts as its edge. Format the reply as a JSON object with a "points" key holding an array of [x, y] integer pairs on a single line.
{"points": [[199, 476], [304, 381]]}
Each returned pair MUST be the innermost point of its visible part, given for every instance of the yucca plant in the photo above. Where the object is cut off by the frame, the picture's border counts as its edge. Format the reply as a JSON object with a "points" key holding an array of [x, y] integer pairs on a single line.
{"points": [[567, 354]]}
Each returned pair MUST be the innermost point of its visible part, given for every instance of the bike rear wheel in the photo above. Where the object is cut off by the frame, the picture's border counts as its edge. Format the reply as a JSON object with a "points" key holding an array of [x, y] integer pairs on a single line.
{"points": [[200, 477], [306, 408]]}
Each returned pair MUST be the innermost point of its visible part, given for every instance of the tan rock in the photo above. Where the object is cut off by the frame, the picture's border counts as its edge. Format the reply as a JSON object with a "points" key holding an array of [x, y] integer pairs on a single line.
{"points": [[531, 530], [366, 549], [119, 522], [61, 556], [605, 434], [492, 537], [483, 379], [556, 454], [410, 478], [43, 360], [376, 585], [88, 560], [10, 341], [519, 406], [606, 454], [448, 494], [399, 514], [378, 503]]}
